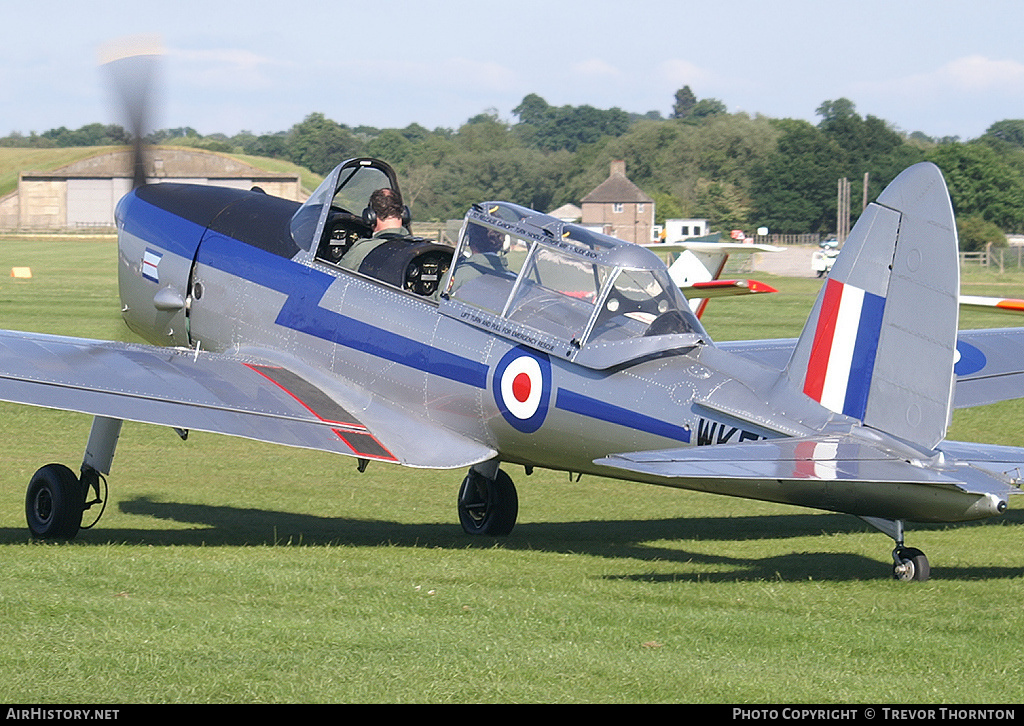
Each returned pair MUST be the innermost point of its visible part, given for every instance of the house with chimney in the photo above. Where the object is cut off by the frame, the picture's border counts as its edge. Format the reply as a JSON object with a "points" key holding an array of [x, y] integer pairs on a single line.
{"points": [[619, 208]]}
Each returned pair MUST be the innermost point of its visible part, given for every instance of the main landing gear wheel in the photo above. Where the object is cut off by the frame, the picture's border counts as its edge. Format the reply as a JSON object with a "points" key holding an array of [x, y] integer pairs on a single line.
{"points": [[488, 506], [54, 503], [910, 564]]}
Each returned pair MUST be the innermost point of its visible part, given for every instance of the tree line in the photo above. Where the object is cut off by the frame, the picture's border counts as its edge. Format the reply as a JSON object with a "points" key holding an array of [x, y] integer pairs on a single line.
{"points": [[737, 170]]}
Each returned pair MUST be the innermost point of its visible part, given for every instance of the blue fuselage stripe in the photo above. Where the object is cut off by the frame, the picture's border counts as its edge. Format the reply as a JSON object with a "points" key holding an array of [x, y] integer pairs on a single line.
{"points": [[161, 228], [593, 408], [305, 288], [302, 311]]}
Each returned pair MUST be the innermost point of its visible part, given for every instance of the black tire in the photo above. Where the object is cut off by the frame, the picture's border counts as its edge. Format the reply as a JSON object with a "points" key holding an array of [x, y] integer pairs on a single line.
{"points": [[488, 506], [54, 503], [915, 567]]}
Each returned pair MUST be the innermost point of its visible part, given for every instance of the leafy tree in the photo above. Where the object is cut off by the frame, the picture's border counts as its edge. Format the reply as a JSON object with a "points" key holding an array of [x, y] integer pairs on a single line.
{"points": [[391, 145], [273, 145], [553, 128], [533, 110], [977, 233], [94, 134], [1010, 131], [834, 111], [794, 189], [982, 182], [685, 101], [707, 107], [162, 136], [723, 204], [666, 206], [319, 143]]}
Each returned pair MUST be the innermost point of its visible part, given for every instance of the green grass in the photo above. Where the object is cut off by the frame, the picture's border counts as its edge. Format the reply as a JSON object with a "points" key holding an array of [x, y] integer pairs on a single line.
{"points": [[229, 571]]}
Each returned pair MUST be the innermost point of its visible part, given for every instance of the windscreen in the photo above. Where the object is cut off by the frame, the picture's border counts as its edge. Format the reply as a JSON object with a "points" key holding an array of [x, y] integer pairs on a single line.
{"points": [[560, 286]]}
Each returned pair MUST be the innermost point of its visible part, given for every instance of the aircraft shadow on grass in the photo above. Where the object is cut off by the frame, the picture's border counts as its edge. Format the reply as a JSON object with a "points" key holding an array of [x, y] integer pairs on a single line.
{"points": [[636, 540]]}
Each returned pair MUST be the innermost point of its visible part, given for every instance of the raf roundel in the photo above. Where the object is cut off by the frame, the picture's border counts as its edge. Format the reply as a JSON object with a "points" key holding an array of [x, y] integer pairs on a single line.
{"points": [[522, 388]]}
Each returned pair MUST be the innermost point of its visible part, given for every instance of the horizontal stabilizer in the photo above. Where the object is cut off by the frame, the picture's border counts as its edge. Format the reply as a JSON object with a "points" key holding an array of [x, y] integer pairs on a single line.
{"points": [[845, 473], [697, 270], [989, 364]]}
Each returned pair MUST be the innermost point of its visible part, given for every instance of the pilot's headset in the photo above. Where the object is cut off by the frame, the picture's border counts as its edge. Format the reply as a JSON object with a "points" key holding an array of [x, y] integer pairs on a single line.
{"points": [[370, 214], [485, 240]]}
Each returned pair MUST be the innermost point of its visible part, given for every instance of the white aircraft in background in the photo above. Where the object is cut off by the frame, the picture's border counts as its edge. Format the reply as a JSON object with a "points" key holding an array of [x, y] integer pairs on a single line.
{"points": [[698, 269]]}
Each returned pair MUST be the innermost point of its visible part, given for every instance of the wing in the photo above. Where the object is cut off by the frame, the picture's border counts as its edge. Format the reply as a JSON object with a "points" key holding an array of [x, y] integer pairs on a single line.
{"points": [[725, 288], [989, 368], [994, 304], [843, 473], [257, 398], [703, 246]]}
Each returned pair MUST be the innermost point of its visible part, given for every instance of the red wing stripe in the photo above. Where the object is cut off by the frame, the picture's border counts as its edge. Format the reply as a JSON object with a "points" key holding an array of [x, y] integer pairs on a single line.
{"points": [[353, 434], [309, 396], [365, 445]]}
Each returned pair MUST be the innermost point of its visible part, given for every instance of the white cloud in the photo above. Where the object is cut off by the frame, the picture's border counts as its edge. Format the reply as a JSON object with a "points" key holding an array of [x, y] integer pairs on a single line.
{"points": [[977, 73], [972, 75], [224, 68], [678, 73], [596, 68]]}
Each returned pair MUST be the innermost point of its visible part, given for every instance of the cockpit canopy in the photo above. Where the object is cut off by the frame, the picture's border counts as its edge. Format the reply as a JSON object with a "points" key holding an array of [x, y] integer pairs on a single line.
{"points": [[341, 197], [564, 289]]}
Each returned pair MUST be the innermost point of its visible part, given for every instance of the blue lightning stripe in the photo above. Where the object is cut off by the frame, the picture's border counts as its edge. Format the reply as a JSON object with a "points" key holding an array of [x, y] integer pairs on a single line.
{"points": [[593, 408], [301, 311], [160, 228], [305, 288]]}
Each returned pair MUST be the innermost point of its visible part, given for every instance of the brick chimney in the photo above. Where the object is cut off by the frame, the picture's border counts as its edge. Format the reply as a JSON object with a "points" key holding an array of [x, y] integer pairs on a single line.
{"points": [[619, 167]]}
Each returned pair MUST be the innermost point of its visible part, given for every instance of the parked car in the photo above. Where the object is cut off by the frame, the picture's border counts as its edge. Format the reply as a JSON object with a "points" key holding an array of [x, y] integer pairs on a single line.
{"points": [[824, 256]]}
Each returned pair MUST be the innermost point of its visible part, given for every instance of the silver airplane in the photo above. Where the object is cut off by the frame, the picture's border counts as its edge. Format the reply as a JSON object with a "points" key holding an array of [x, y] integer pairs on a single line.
{"points": [[534, 343]]}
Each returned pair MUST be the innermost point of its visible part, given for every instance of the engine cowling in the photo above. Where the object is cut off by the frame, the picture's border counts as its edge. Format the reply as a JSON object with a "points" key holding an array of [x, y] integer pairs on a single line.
{"points": [[156, 248]]}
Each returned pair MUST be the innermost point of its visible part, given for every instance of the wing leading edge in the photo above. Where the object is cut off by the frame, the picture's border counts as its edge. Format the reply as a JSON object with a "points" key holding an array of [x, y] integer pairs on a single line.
{"points": [[237, 395]]}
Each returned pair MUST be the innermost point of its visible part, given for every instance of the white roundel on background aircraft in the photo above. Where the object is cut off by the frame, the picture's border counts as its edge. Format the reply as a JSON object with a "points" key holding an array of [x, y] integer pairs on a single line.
{"points": [[522, 388]]}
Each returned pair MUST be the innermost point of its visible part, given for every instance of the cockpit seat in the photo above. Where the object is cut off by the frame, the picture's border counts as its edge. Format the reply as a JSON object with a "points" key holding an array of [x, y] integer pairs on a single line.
{"points": [[410, 263]]}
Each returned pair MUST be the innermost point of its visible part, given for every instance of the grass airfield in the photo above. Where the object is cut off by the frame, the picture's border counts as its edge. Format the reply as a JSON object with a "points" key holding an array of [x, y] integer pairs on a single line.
{"points": [[228, 571]]}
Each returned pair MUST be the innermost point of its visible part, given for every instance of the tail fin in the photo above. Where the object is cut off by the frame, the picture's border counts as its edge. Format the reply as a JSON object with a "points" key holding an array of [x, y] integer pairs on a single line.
{"points": [[880, 342]]}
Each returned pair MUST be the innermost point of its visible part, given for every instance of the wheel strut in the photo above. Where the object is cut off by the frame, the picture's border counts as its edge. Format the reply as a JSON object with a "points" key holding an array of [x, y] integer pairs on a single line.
{"points": [[488, 505], [56, 498], [909, 563]]}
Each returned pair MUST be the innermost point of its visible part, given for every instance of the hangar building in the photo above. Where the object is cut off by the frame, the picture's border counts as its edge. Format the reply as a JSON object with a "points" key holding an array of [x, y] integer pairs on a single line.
{"points": [[83, 195]]}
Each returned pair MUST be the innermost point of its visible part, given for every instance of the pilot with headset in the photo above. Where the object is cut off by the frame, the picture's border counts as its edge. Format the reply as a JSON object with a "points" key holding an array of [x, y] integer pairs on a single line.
{"points": [[389, 219]]}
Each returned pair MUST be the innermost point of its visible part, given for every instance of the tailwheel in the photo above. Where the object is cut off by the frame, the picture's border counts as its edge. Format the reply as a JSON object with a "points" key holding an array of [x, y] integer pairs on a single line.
{"points": [[910, 564], [54, 503], [488, 506]]}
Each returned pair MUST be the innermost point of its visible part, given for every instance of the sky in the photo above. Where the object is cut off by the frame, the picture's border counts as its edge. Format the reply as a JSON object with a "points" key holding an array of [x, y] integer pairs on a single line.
{"points": [[940, 67]]}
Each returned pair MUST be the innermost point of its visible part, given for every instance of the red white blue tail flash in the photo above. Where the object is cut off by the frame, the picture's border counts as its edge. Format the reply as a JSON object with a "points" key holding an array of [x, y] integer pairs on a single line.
{"points": [[843, 355]]}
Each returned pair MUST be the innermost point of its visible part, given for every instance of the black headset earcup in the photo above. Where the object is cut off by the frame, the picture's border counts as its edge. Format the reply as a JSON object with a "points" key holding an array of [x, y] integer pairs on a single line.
{"points": [[369, 217], [406, 216]]}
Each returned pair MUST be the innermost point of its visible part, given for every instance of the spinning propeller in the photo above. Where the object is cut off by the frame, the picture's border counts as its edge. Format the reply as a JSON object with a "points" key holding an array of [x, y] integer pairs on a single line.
{"points": [[131, 66]]}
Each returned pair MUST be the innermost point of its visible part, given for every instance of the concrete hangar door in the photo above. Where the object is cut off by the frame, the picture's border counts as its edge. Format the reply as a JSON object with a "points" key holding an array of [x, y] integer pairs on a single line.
{"points": [[91, 202]]}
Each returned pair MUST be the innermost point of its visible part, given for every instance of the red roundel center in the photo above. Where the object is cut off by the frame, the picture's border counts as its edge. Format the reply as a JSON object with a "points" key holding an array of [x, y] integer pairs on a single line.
{"points": [[521, 385]]}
